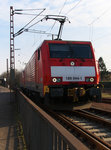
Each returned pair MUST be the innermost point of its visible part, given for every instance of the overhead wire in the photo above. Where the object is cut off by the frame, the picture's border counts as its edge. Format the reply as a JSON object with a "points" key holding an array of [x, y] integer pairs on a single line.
{"points": [[50, 29], [34, 18], [102, 14], [62, 7], [27, 14], [101, 37], [58, 14], [35, 23], [97, 18], [73, 7], [28, 9], [23, 28], [66, 13]]}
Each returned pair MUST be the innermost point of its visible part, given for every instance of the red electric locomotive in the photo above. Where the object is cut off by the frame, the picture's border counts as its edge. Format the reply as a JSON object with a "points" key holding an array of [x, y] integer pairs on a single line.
{"points": [[63, 69]]}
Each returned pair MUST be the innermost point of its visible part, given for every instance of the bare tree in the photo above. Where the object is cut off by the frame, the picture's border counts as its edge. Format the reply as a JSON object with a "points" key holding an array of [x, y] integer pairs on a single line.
{"points": [[104, 74]]}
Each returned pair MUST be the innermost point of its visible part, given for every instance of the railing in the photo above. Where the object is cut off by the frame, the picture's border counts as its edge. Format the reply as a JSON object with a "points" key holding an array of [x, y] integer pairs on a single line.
{"points": [[41, 131]]}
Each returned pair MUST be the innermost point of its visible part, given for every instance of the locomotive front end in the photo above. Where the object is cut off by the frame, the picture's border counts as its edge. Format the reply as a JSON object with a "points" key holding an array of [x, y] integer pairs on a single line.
{"points": [[72, 70]]}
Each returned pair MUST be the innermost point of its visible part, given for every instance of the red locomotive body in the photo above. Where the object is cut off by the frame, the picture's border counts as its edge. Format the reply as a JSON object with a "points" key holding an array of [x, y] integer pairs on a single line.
{"points": [[63, 69]]}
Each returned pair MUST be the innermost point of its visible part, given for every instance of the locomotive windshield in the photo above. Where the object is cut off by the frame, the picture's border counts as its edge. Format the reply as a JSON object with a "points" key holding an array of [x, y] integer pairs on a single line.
{"points": [[70, 51]]}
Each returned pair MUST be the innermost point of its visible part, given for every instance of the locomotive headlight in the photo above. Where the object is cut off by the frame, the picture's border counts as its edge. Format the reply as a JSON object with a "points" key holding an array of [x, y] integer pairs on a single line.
{"points": [[54, 79], [91, 79], [88, 79], [72, 63]]}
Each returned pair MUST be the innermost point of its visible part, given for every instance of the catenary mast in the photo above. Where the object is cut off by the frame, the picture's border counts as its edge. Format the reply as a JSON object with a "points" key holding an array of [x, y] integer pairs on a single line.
{"points": [[12, 50]]}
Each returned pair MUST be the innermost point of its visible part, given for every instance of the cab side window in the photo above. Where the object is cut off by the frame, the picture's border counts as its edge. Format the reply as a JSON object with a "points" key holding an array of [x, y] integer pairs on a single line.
{"points": [[39, 54]]}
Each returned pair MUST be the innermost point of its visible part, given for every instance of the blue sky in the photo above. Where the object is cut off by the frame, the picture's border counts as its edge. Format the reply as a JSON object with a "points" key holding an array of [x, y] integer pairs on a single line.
{"points": [[90, 20]]}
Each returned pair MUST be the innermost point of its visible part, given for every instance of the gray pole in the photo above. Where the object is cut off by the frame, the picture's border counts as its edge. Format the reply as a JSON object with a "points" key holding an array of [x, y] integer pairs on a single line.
{"points": [[7, 72], [12, 50]]}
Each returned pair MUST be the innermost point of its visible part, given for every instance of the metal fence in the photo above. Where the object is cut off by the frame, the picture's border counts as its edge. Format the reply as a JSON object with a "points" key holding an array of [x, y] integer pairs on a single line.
{"points": [[41, 131]]}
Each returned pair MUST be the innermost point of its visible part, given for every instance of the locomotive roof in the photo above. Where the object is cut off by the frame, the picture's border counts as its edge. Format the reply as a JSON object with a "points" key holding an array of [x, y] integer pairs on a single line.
{"points": [[65, 41], [60, 41]]}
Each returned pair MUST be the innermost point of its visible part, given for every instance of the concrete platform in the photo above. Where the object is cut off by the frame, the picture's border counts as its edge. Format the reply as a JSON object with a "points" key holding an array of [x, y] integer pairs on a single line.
{"points": [[8, 134]]}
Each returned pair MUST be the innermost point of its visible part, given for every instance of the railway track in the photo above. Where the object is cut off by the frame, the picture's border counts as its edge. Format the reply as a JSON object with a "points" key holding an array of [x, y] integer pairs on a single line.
{"points": [[93, 131], [99, 113], [104, 100]]}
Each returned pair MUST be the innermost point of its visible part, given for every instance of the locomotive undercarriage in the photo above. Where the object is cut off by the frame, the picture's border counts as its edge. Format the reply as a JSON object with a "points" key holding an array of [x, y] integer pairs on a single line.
{"points": [[76, 93], [67, 93]]}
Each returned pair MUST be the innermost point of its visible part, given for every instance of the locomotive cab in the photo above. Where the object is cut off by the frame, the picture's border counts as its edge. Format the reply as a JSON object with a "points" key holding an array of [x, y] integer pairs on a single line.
{"points": [[70, 70]]}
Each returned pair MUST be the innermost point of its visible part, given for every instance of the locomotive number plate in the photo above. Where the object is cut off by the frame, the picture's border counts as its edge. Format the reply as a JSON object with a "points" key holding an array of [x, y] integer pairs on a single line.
{"points": [[74, 78]]}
